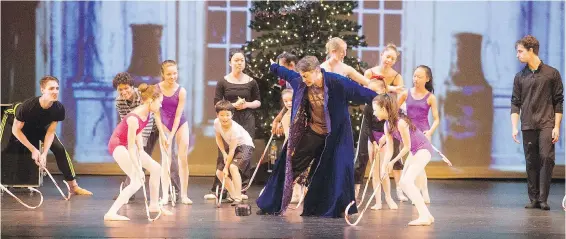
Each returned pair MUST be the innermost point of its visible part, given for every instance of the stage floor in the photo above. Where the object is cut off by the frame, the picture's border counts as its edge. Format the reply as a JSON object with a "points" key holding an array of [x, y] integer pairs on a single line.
{"points": [[462, 209]]}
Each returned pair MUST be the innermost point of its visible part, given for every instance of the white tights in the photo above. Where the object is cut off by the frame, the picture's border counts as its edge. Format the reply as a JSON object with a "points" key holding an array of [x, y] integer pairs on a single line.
{"points": [[122, 157], [414, 166]]}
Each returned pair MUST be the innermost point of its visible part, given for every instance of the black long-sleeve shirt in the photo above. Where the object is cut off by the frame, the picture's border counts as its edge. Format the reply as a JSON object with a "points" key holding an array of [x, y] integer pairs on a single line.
{"points": [[537, 96]]}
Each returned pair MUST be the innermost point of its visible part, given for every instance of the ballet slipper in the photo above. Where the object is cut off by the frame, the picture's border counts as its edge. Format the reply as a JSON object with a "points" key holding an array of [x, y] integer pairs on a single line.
{"points": [[209, 196], [186, 200], [377, 207], [80, 191], [421, 222], [391, 204]]}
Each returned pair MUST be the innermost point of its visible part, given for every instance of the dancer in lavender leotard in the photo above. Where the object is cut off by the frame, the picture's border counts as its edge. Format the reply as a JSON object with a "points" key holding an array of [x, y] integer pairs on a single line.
{"points": [[172, 123], [374, 130], [399, 126], [420, 100]]}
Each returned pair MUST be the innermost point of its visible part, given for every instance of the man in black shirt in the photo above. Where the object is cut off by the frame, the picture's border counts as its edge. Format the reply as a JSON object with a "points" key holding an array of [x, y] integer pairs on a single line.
{"points": [[538, 96], [36, 119]]}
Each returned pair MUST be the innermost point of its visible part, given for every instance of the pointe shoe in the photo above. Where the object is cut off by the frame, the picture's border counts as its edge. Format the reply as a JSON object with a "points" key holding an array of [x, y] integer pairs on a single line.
{"points": [[377, 207], [209, 196], [80, 191], [186, 200], [391, 204], [401, 196], [115, 217], [421, 222]]}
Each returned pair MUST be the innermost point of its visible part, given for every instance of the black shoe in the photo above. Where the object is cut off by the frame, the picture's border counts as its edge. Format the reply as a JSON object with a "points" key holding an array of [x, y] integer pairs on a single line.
{"points": [[544, 206], [260, 212], [533, 204]]}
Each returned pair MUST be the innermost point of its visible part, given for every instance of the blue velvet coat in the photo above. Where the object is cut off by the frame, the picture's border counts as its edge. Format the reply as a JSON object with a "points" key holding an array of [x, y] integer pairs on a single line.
{"points": [[332, 183]]}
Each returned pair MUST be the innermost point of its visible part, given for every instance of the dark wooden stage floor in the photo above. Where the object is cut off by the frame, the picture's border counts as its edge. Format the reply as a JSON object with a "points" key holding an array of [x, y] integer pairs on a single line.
{"points": [[463, 209]]}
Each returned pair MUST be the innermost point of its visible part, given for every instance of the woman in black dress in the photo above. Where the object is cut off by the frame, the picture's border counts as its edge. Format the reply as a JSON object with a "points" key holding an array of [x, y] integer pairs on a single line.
{"points": [[243, 92]]}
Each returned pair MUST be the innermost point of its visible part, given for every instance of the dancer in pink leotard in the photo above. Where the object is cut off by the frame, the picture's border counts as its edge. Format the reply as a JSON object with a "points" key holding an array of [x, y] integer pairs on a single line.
{"points": [[126, 146]]}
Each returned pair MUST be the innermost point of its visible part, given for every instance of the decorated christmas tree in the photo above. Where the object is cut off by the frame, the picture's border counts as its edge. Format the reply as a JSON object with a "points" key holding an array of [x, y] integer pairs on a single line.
{"points": [[301, 28]]}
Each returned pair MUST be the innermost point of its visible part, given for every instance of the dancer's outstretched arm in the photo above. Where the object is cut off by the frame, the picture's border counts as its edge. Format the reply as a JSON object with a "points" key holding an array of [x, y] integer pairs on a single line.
{"points": [[356, 93], [356, 76], [294, 78]]}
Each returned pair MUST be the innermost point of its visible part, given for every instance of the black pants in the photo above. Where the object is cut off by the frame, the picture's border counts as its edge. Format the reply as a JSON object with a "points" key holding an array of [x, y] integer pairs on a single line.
{"points": [[539, 157], [309, 148], [61, 156]]}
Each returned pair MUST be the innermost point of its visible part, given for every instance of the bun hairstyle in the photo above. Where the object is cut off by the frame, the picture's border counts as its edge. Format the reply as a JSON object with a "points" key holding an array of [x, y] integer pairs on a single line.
{"points": [[334, 43], [392, 47], [149, 92], [167, 63]]}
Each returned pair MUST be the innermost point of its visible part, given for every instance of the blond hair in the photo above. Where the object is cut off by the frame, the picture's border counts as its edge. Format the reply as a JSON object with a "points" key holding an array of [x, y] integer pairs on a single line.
{"points": [[334, 43], [392, 47]]}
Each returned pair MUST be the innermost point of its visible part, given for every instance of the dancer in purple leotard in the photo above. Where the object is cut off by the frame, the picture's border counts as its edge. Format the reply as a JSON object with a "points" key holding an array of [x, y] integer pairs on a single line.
{"points": [[420, 100], [172, 123], [399, 126]]}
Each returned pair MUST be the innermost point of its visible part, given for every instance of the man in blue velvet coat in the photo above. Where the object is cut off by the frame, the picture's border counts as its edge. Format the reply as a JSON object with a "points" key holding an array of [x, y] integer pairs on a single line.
{"points": [[320, 131]]}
